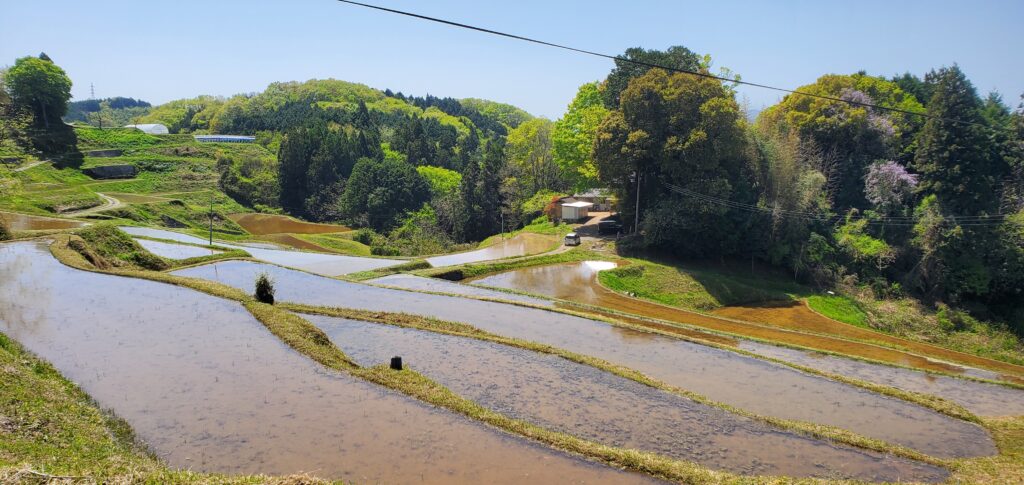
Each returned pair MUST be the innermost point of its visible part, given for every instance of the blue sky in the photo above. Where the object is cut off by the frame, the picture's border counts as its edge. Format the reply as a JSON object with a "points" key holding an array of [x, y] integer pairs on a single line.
{"points": [[159, 51]]}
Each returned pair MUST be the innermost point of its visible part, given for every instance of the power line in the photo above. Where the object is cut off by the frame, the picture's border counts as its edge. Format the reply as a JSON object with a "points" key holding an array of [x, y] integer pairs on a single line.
{"points": [[652, 65]]}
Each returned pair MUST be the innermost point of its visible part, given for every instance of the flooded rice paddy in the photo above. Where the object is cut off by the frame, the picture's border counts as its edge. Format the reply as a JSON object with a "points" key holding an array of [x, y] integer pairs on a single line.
{"points": [[520, 245], [577, 282], [208, 388], [420, 283], [978, 397], [745, 382], [174, 251], [24, 222], [319, 263], [796, 315], [561, 395], [263, 224]]}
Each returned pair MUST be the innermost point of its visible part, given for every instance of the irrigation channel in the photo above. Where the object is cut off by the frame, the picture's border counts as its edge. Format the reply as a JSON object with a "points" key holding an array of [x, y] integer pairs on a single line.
{"points": [[577, 282], [562, 395], [325, 264], [208, 388], [745, 382]]}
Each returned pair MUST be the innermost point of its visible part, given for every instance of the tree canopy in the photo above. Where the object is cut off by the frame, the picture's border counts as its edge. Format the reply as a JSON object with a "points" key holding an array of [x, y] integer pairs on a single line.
{"points": [[681, 130], [572, 137], [379, 193], [677, 57], [41, 86]]}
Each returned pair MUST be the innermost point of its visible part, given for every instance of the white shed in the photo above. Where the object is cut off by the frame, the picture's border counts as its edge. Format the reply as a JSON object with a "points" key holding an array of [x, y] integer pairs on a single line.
{"points": [[576, 210], [151, 128]]}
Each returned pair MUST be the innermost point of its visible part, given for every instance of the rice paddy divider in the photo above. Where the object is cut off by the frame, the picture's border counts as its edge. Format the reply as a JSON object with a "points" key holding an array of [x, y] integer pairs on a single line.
{"points": [[934, 403], [313, 343]]}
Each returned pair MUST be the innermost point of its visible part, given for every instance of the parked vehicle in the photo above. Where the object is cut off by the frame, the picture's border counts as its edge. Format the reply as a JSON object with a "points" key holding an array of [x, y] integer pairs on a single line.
{"points": [[609, 226], [572, 239]]}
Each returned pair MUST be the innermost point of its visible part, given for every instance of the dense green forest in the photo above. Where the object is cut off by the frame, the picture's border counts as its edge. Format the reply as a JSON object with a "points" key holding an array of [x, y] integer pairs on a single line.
{"points": [[106, 113], [836, 191]]}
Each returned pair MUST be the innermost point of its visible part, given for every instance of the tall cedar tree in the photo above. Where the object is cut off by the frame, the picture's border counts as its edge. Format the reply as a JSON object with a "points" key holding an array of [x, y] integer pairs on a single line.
{"points": [[962, 168], [956, 160]]}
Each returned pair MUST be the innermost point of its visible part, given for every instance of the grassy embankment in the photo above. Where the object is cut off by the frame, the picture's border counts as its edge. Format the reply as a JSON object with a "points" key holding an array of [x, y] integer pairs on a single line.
{"points": [[108, 247], [177, 179], [309, 340], [339, 242], [703, 288], [540, 225]]}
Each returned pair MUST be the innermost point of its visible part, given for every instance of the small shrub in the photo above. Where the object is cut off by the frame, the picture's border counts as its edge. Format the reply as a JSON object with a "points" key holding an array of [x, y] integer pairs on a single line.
{"points": [[5, 233], [631, 271], [366, 236], [264, 289], [384, 251], [451, 275]]}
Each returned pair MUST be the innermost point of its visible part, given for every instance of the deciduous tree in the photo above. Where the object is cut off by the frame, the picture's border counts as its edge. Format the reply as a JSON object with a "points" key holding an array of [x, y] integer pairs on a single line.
{"points": [[572, 137]]}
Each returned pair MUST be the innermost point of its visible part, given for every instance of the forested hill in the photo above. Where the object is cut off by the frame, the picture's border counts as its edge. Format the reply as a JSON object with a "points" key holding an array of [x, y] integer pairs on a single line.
{"points": [[285, 105]]}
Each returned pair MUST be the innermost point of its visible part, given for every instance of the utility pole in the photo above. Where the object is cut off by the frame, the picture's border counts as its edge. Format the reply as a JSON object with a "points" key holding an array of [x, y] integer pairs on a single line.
{"points": [[636, 220]]}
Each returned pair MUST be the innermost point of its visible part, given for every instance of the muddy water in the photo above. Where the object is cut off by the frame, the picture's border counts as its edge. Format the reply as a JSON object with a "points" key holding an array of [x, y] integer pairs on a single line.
{"points": [[292, 241], [325, 264], [174, 251], [419, 283], [24, 222], [565, 396], [520, 245], [979, 398], [744, 382], [796, 315], [210, 389], [578, 282], [262, 224]]}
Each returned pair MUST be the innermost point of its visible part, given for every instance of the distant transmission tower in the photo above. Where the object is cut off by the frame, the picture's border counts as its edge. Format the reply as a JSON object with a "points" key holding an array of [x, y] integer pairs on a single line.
{"points": [[92, 91]]}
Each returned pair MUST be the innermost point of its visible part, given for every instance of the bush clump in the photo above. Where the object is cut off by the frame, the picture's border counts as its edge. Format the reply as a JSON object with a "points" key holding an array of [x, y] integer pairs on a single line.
{"points": [[367, 237], [384, 251], [5, 233], [264, 289]]}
